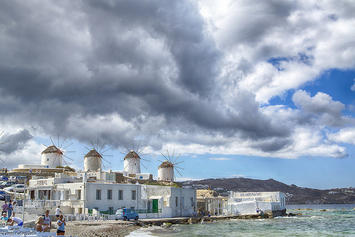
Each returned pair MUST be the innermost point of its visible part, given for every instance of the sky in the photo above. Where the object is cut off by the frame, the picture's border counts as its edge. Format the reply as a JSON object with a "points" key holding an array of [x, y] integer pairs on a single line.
{"points": [[256, 89]]}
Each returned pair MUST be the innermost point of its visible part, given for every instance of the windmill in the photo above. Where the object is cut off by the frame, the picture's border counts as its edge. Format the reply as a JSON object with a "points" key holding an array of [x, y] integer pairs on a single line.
{"points": [[167, 168], [54, 155], [93, 160], [133, 157]]}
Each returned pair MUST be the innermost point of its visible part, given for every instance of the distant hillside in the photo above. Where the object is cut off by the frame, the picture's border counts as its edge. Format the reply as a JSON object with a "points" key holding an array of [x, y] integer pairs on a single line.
{"points": [[295, 194]]}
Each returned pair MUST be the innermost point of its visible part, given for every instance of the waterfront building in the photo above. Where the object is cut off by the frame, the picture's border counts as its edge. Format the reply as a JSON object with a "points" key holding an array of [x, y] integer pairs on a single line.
{"points": [[246, 203], [77, 195], [94, 190], [209, 202]]}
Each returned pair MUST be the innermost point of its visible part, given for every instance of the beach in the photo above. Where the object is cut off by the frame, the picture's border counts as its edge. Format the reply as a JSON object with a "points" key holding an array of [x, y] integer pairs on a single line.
{"points": [[99, 228]]}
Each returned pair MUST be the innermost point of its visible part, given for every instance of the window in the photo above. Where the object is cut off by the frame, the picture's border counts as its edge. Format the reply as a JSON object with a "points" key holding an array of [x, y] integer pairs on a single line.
{"points": [[120, 194], [109, 194], [79, 194], [176, 201], [192, 202], [132, 208], [98, 194], [133, 194]]}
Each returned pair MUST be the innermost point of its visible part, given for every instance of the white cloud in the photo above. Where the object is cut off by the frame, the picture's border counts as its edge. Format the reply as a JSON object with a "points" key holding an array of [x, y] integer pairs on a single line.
{"points": [[353, 86], [30, 154], [346, 135]]}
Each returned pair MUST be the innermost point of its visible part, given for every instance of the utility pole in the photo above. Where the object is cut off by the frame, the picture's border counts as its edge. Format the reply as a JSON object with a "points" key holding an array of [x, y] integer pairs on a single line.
{"points": [[24, 200]]}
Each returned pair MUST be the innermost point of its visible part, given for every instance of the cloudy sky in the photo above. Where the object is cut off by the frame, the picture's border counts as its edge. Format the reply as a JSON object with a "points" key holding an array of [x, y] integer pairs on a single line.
{"points": [[261, 89]]}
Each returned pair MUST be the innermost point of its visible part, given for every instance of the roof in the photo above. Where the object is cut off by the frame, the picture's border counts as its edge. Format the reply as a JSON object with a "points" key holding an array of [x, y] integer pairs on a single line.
{"points": [[93, 153], [52, 149], [132, 154], [166, 164], [205, 193]]}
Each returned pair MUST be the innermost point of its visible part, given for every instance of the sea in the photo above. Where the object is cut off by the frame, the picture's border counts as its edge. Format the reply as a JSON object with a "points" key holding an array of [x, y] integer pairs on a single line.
{"points": [[315, 220]]}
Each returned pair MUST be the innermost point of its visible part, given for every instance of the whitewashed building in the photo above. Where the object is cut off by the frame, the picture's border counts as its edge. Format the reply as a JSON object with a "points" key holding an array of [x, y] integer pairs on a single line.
{"points": [[76, 195], [246, 203]]}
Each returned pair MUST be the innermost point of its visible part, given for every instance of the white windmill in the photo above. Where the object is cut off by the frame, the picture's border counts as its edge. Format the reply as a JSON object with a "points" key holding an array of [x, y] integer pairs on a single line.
{"points": [[167, 168], [53, 155], [134, 157], [93, 160], [132, 163]]}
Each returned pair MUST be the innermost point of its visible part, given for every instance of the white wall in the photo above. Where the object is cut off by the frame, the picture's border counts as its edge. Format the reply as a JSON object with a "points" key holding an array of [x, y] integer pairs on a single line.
{"points": [[92, 163], [104, 204], [52, 160], [132, 165], [184, 207], [166, 174]]}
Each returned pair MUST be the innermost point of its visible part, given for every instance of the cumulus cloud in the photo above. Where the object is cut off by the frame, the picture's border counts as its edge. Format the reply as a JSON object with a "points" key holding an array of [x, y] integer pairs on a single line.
{"points": [[10, 143], [345, 135], [189, 74]]}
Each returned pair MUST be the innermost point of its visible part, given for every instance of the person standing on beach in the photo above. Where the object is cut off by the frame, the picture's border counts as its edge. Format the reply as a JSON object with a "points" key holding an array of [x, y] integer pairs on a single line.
{"points": [[9, 209], [47, 223], [58, 211], [61, 225], [5, 207]]}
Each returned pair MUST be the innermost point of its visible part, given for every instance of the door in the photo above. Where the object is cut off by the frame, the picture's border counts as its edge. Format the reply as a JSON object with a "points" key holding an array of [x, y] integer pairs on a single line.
{"points": [[155, 206], [182, 205]]}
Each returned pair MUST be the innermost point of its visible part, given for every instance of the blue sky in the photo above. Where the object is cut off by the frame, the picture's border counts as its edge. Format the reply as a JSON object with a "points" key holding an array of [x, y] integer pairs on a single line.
{"points": [[267, 96]]}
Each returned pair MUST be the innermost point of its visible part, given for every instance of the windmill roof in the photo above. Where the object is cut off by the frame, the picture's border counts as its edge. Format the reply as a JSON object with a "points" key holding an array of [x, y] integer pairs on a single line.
{"points": [[52, 149], [166, 164], [93, 153], [132, 154]]}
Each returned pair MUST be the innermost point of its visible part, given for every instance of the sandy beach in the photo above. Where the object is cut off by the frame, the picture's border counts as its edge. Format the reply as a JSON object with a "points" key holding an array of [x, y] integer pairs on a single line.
{"points": [[100, 228]]}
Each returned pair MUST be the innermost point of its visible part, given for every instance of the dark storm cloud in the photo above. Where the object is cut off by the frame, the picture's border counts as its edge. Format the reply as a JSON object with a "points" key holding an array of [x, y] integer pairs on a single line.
{"points": [[13, 142], [78, 60]]}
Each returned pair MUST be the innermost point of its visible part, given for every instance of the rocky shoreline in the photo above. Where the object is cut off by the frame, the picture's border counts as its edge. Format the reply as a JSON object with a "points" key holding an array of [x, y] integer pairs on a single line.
{"points": [[124, 228]]}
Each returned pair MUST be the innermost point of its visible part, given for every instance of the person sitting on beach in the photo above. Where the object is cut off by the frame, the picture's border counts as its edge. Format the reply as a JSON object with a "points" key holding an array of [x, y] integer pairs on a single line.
{"points": [[58, 211], [12, 220], [61, 225], [47, 223], [4, 216], [39, 224]]}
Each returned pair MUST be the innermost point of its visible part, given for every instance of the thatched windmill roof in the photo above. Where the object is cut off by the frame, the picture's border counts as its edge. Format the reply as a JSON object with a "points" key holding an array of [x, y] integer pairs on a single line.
{"points": [[52, 149], [166, 164], [132, 154], [93, 153]]}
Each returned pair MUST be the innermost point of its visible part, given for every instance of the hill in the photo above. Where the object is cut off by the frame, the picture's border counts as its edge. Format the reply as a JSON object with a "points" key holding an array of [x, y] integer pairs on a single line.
{"points": [[294, 194]]}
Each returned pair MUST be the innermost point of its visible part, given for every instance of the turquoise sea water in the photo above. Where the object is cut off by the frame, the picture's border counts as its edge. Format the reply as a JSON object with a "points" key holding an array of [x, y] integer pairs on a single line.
{"points": [[337, 220]]}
